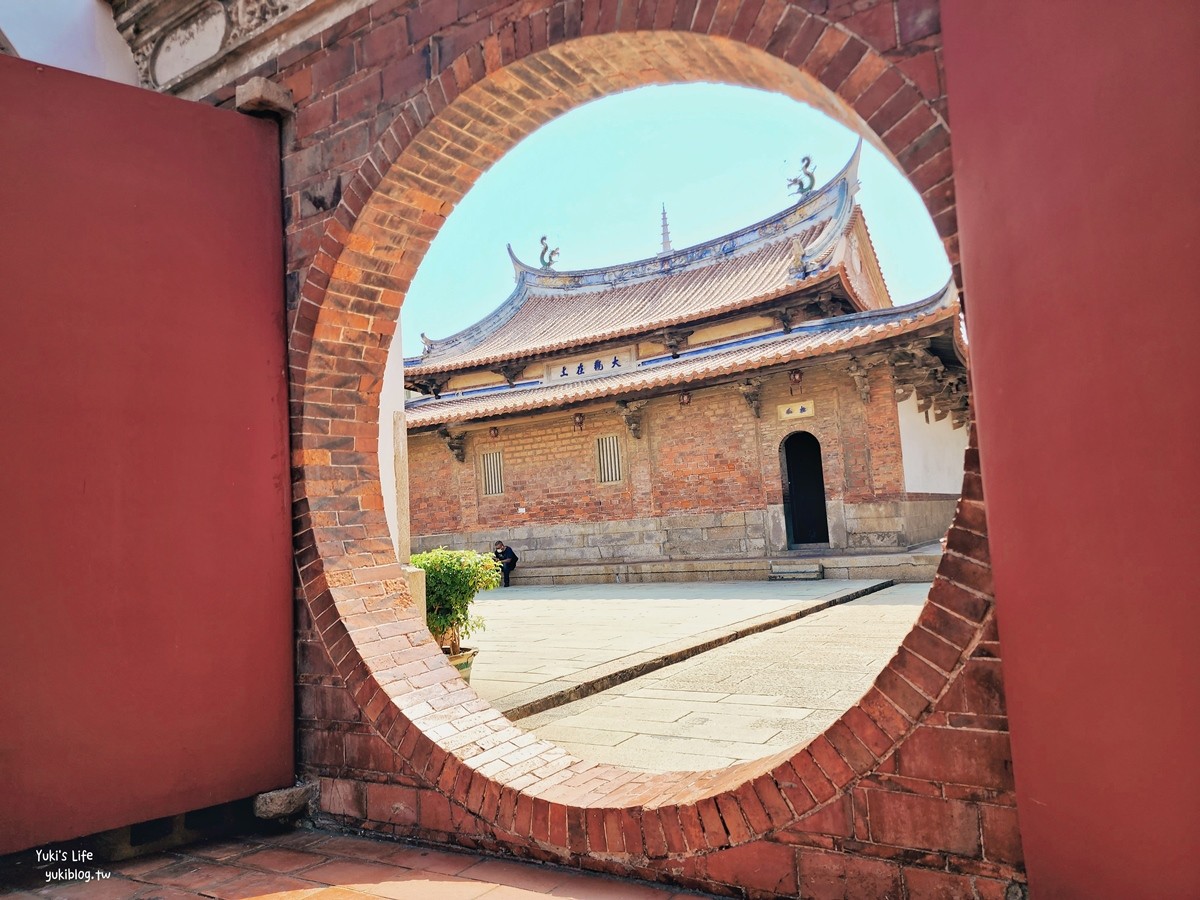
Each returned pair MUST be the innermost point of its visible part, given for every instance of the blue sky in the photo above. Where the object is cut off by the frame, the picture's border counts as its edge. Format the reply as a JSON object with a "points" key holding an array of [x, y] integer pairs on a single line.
{"points": [[594, 180]]}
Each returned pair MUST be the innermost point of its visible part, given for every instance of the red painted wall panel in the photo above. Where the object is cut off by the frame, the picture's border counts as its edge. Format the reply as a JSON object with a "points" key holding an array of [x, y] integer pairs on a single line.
{"points": [[145, 650], [1076, 139]]}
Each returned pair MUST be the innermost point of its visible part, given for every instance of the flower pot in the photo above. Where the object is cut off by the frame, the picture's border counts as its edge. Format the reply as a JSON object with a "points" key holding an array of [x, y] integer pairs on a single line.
{"points": [[462, 661]]}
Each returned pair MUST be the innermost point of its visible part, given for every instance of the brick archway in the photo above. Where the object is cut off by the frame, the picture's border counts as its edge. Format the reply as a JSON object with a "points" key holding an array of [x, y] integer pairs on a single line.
{"points": [[909, 791]]}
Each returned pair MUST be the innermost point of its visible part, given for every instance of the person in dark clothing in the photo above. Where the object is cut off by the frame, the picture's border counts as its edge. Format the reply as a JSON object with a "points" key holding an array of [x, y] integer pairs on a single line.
{"points": [[507, 559]]}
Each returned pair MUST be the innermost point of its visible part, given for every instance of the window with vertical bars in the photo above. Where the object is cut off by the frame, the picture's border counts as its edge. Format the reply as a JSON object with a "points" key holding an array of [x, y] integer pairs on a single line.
{"points": [[493, 473], [608, 458]]}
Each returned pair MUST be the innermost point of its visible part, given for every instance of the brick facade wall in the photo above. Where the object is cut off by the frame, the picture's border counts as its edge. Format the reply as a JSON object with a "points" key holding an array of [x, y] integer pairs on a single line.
{"points": [[692, 465], [910, 793]]}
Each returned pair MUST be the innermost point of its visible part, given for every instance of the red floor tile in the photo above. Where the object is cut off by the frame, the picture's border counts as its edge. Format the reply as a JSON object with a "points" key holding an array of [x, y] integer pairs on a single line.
{"points": [[514, 874], [431, 860], [264, 886], [353, 872], [276, 859]]}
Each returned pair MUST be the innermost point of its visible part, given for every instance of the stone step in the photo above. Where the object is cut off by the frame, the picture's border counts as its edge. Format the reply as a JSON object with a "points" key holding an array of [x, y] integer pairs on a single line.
{"points": [[796, 571]]}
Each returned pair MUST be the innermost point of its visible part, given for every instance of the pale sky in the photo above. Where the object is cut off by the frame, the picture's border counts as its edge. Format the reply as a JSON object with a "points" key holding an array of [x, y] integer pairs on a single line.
{"points": [[594, 181]]}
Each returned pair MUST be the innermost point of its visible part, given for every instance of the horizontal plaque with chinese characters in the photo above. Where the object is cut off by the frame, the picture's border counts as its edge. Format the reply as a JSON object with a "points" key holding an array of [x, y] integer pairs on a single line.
{"points": [[801, 409], [610, 363]]}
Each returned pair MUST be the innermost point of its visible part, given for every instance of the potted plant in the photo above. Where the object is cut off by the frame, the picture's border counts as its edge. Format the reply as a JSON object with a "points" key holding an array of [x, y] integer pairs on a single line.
{"points": [[452, 579]]}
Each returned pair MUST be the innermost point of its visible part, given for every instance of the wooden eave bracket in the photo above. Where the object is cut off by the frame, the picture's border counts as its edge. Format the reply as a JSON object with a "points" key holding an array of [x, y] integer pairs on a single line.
{"points": [[455, 443], [430, 384], [631, 413], [751, 390], [675, 339], [510, 372]]}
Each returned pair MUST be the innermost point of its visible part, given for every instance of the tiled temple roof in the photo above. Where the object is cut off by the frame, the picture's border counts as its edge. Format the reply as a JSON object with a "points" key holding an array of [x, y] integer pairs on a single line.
{"points": [[550, 311], [840, 334]]}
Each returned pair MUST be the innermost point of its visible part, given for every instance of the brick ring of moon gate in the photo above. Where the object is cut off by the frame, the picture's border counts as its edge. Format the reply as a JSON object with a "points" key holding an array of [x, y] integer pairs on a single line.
{"points": [[908, 794]]}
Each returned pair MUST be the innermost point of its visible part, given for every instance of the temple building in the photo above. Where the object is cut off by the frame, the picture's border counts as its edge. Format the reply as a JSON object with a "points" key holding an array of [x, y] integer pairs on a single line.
{"points": [[711, 410]]}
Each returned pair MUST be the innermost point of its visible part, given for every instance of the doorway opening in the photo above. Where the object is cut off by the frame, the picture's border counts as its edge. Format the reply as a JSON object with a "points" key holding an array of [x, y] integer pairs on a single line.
{"points": [[803, 490]]}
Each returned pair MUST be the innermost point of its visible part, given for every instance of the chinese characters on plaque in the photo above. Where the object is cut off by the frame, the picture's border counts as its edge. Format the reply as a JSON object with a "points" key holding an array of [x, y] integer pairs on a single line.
{"points": [[801, 409], [610, 363]]}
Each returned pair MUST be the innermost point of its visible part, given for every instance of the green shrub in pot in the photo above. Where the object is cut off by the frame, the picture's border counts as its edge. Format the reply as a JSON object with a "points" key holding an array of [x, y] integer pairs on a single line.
{"points": [[452, 579]]}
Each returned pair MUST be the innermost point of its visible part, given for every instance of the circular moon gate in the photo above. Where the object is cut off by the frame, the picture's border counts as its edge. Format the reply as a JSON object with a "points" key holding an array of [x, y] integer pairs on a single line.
{"points": [[911, 782]]}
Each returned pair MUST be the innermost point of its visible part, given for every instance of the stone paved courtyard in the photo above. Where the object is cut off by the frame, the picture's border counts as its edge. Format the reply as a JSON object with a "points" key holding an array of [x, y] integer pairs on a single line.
{"points": [[747, 699]]}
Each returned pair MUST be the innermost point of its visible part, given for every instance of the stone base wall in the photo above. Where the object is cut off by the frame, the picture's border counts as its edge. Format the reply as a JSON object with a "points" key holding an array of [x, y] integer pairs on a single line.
{"points": [[738, 535], [896, 524], [750, 534]]}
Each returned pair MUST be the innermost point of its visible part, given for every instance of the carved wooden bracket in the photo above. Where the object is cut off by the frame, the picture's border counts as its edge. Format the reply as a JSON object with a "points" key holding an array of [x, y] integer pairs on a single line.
{"points": [[861, 380], [674, 339], [751, 390], [786, 317], [510, 372], [824, 305], [430, 384], [918, 371], [455, 443], [631, 412]]}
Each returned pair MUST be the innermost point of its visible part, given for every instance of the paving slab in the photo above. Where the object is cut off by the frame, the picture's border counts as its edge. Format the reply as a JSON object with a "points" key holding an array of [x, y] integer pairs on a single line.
{"points": [[767, 692], [546, 645]]}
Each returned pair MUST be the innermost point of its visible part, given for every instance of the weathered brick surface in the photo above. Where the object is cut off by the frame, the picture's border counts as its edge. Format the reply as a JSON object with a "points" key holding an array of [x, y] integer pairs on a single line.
{"points": [[685, 482], [400, 108]]}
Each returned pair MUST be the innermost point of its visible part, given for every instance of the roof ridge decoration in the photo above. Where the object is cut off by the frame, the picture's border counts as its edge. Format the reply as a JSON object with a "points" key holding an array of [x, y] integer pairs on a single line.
{"points": [[823, 213]]}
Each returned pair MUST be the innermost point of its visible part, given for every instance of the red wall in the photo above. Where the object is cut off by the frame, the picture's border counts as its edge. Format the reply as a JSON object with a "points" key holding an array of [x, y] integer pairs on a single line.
{"points": [[1076, 139], [145, 650]]}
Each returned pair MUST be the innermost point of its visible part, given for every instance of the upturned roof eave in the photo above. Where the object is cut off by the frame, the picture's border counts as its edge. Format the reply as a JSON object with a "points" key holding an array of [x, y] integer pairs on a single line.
{"points": [[829, 195], [642, 332], [933, 313]]}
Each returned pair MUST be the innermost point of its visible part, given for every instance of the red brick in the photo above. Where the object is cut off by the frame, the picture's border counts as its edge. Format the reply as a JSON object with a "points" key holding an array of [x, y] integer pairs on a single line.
{"points": [[1002, 835], [917, 19], [693, 831], [837, 876], [955, 598], [655, 839], [367, 751], [870, 734], [978, 689], [434, 811], [925, 71], [910, 820], [830, 761], [980, 758], [773, 801], [715, 834], [335, 66], [735, 822], [815, 780], [932, 649], [360, 98], [342, 797], [927, 884], [669, 819], [917, 672], [760, 866], [876, 26], [834, 818], [849, 747], [752, 808], [910, 701], [392, 803]]}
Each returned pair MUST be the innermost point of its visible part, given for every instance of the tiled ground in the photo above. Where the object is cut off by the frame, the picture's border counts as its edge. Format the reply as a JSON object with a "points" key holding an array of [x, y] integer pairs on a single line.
{"points": [[758, 695], [542, 634], [316, 865]]}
